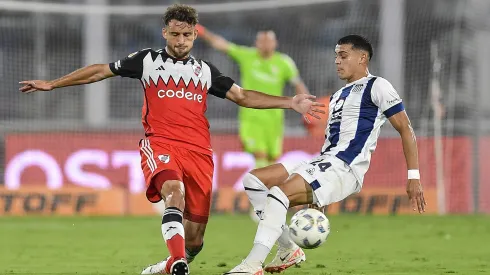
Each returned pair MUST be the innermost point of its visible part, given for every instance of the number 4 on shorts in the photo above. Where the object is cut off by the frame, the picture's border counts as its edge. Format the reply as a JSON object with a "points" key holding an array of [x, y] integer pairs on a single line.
{"points": [[322, 165]]}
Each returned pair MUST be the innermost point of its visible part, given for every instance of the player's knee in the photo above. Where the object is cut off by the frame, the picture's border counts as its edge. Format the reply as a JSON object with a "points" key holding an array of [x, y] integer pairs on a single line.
{"points": [[271, 175], [252, 182], [168, 181], [173, 188], [173, 193], [253, 172]]}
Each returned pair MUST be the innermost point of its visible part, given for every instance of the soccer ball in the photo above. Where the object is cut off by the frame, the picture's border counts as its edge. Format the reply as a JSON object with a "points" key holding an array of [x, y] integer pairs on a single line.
{"points": [[309, 228]]}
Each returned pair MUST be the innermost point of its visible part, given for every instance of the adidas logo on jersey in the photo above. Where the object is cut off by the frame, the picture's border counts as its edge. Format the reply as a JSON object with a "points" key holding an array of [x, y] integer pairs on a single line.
{"points": [[161, 68], [117, 64]]}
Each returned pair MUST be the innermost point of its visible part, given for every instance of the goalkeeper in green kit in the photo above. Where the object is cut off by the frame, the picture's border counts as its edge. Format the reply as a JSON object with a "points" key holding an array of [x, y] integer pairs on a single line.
{"points": [[262, 69]]}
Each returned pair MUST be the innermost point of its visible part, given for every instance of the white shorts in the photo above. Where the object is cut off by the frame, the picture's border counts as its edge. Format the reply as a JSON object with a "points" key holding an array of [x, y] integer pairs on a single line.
{"points": [[331, 179]]}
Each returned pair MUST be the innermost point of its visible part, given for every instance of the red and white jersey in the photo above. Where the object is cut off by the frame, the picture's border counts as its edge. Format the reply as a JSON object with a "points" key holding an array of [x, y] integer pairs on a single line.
{"points": [[175, 93]]}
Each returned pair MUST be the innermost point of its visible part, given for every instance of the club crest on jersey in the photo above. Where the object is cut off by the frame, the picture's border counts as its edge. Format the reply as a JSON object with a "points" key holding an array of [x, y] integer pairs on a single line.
{"points": [[310, 171], [197, 70], [164, 158], [357, 88]]}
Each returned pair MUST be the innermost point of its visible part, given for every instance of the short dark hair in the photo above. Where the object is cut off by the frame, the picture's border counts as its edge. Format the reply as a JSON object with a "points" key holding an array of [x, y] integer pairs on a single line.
{"points": [[182, 13], [357, 42]]}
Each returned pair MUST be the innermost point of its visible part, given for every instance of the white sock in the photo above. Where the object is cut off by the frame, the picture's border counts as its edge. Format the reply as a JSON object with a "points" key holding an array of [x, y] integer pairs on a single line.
{"points": [[172, 223], [256, 191], [257, 194], [271, 225]]}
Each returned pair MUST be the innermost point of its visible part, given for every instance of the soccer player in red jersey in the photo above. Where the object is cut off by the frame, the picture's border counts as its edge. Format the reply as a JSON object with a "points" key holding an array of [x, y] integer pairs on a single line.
{"points": [[176, 154]]}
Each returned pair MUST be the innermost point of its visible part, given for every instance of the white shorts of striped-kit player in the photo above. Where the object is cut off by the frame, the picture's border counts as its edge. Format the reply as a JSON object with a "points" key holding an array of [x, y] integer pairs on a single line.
{"points": [[331, 179]]}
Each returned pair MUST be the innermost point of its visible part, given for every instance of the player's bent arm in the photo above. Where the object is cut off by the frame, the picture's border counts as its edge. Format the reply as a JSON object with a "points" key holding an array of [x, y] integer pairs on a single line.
{"points": [[257, 100], [401, 123], [216, 41]]}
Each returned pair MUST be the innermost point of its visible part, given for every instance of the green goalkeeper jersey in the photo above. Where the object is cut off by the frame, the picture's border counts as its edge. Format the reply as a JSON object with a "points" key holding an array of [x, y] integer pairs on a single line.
{"points": [[264, 75]]}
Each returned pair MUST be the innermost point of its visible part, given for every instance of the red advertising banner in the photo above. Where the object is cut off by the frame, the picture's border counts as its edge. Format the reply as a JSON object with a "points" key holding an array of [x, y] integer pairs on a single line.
{"points": [[103, 161]]}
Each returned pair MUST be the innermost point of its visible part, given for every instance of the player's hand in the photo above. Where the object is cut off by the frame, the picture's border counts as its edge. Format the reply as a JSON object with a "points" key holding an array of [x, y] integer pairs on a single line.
{"points": [[200, 29], [35, 85], [416, 195], [305, 104]]}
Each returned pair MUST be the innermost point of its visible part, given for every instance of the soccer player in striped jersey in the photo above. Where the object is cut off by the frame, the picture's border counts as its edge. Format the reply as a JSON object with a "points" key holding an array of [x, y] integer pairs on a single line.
{"points": [[356, 113]]}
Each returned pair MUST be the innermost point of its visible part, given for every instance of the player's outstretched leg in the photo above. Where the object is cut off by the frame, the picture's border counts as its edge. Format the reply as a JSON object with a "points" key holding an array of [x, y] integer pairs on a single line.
{"points": [[288, 253], [173, 192], [173, 228], [294, 191]]}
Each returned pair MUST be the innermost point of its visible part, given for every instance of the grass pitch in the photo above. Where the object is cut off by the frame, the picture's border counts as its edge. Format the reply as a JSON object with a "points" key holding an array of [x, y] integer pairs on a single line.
{"points": [[356, 245]]}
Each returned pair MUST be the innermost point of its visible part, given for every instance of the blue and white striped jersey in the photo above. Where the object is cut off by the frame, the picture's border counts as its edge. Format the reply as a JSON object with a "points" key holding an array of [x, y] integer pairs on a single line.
{"points": [[356, 114]]}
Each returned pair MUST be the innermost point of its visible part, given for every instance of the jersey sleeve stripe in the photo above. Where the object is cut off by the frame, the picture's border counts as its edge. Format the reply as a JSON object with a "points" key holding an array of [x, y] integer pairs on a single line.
{"points": [[394, 110]]}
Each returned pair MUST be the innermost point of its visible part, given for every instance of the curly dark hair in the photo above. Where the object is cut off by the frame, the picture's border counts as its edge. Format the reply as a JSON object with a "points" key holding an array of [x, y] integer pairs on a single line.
{"points": [[182, 13]]}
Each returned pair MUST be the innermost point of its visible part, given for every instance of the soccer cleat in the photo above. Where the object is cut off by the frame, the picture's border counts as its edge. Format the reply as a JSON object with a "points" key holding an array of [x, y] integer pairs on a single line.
{"points": [[246, 269], [179, 267], [285, 258], [158, 268]]}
